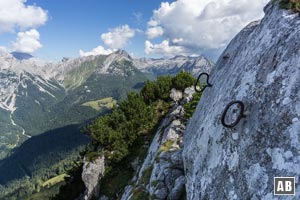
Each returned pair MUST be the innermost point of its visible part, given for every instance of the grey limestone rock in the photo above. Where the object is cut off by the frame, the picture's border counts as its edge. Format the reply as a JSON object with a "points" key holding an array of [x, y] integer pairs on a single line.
{"points": [[176, 95], [261, 69], [91, 175], [178, 189]]}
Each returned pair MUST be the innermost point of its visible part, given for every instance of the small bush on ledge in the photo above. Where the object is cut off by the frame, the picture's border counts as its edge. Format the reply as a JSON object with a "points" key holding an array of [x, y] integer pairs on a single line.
{"points": [[293, 5]]}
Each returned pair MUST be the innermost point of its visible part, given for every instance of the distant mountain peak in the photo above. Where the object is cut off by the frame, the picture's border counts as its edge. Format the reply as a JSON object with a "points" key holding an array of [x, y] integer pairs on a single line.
{"points": [[65, 59], [122, 53], [21, 55], [162, 66], [179, 56]]}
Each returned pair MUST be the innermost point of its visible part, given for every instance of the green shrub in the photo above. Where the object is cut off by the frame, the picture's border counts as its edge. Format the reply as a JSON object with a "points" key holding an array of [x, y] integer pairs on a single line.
{"points": [[139, 115], [190, 107], [164, 85], [116, 132], [148, 91], [166, 146], [159, 89], [139, 194], [183, 80], [293, 5], [91, 156], [147, 174]]}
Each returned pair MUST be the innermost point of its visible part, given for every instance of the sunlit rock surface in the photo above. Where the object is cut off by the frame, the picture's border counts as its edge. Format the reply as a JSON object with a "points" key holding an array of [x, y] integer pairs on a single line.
{"points": [[91, 176], [261, 68]]}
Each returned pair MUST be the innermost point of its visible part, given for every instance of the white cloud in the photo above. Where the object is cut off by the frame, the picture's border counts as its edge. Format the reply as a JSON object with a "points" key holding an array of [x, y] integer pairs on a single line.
{"points": [[96, 51], [115, 39], [164, 48], [3, 49], [153, 32], [118, 37], [28, 41], [205, 24], [177, 40], [15, 14], [152, 22]]}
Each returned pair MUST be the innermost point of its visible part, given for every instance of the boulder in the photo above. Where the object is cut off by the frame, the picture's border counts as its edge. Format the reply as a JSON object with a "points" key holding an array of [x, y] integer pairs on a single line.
{"points": [[176, 95], [91, 175], [188, 92]]}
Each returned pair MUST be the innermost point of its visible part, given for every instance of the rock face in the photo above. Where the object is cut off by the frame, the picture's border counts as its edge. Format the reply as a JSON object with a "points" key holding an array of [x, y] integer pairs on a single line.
{"points": [[91, 175], [261, 68], [161, 175]]}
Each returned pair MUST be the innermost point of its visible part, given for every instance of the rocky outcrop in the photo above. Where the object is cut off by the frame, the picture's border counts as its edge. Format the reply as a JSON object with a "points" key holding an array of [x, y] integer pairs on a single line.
{"points": [[161, 175], [91, 176], [261, 68], [175, 95], [167, 179]]}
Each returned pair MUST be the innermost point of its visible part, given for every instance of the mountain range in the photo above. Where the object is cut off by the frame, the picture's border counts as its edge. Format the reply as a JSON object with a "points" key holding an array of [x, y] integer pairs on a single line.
{"points": [[36, 96], [46, 101]]}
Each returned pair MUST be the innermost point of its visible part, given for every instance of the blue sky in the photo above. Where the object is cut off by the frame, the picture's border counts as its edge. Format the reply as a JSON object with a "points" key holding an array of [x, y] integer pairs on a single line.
{"points": [[77, 24], [52, 29]]}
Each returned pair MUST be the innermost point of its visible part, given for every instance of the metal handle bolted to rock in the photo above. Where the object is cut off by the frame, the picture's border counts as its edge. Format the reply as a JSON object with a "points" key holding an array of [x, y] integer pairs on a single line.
{"points": [[241, 114], [207, 82]]}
